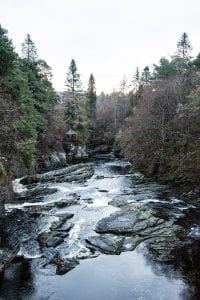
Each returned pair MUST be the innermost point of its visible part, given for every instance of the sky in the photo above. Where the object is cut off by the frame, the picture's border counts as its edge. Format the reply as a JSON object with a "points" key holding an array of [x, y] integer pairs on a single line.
{"points": [[108, 38]]}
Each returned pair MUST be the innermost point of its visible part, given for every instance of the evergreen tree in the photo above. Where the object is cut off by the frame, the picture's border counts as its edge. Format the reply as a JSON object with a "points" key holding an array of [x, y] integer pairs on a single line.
{"points": [[75, 108], [73, 81], [136, 79], [73, 85], [182, 59], [29, 50], [7, 54], [183, 46], [146, 74], [92, 98], [164, 69]]}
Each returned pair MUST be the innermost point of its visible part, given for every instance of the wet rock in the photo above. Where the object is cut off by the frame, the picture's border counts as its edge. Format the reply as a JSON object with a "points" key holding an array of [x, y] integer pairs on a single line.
{"points": [[108, 156], [108, 244], [63, 265], [60, 222], [66, 202], [43, 238], [49, 239], [99, 177], [66, 227], [35, 194], [118, 202], [88, 200], [137, 220], [54, 241], [76, 172], [130, 243], [66, 216], [162, 248]]}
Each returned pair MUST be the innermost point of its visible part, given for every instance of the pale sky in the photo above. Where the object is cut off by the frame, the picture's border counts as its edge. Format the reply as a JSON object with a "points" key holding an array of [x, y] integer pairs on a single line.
{"points": [[108, 38]]}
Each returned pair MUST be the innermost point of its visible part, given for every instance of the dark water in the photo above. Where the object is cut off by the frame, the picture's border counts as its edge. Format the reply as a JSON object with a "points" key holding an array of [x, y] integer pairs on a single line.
{"points": [[140, 274]]}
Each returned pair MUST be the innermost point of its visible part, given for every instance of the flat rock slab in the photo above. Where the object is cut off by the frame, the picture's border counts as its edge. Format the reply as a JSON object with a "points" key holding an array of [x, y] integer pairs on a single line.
{"points": [[135, 220], [108, 244], [76, 172]]}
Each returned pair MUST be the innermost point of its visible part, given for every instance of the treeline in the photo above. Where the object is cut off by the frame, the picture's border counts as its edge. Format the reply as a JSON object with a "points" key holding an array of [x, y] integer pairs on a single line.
{"points": [[33, 120], [29, 110], [162, 133]]}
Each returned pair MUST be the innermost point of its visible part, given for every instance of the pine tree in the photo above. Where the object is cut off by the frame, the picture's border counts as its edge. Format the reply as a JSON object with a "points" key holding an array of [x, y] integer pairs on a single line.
{"points": [[136, 79], [29, 50], [73, 81], [75, 108], [183, 46], [182, 58], [73, 85], [92, 98]]}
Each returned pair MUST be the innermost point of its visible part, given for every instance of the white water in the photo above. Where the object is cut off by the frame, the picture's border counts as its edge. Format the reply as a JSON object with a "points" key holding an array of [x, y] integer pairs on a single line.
{"points": [[18, 188]]}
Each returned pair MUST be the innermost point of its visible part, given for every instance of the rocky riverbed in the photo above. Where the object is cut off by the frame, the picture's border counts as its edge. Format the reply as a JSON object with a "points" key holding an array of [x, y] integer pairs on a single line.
{"points": [[61, 219]]}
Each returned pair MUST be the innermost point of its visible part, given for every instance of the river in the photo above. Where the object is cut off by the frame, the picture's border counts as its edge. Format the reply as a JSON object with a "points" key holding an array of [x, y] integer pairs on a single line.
{"points": [[107, 260]]}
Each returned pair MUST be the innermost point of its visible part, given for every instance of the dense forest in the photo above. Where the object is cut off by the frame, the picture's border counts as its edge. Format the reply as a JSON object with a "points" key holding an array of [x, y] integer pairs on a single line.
{"points": [[154, 122], [162, 132]]}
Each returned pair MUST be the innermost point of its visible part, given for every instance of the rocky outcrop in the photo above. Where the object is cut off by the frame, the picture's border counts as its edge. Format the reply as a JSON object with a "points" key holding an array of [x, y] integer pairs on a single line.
{"points": [[134, 220], [78, 172], [126, 229]]}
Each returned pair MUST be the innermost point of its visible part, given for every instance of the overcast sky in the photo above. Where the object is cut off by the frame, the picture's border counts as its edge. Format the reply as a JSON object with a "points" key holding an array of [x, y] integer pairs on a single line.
{"points": [[108, 38]]}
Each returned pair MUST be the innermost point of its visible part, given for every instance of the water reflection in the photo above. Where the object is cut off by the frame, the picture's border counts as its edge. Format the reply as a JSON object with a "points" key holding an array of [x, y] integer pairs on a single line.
{"points": [[17, 281], [124, 277], [180, 259]]}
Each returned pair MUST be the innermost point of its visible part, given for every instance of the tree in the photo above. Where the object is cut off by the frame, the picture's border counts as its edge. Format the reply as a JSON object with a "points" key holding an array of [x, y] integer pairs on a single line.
{"points": [[136, 79], [7, 54], [182, 58], [73, 85], [123, 85], [183, 46], [92, 98], [146, 74], [29, 50], [75, 108], [73, 81], [164, 69]]}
